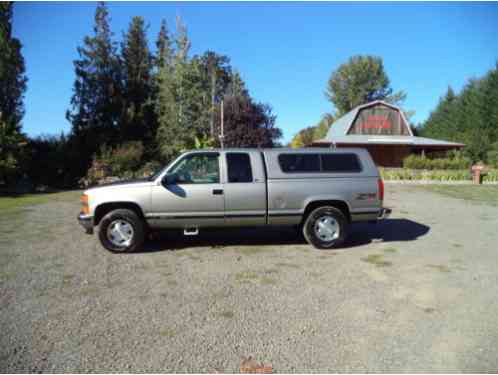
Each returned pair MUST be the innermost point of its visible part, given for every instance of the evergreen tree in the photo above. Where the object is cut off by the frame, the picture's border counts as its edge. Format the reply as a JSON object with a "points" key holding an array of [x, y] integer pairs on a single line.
{"points": [[192, 101], [490, 102], [442, 120], [12, 87], [164, 47], [236, 86], [139, 120], [182, 41], [471, 117], [216, 74], [171, 138], [471, 123], [97, 101], [187, 95]]}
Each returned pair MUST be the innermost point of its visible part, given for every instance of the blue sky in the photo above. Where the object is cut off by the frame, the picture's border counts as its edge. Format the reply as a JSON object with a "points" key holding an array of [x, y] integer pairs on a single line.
{"points": [[284, 51]]}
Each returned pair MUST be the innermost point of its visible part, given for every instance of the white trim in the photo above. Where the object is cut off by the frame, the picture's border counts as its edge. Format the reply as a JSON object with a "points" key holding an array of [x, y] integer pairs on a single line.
{"points": [[387, 140]]}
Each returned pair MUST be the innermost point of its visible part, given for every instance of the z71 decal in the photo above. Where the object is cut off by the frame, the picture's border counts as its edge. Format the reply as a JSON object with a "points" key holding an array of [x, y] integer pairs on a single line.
{"points": [[366, 196]]}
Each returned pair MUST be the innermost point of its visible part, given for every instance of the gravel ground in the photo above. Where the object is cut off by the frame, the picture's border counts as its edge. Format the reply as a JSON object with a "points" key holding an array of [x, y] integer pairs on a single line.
{"points": [[417, 292]]}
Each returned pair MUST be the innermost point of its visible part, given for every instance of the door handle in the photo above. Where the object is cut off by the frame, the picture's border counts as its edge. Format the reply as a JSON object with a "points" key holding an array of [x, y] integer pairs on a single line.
{"points": [[217, 191]]}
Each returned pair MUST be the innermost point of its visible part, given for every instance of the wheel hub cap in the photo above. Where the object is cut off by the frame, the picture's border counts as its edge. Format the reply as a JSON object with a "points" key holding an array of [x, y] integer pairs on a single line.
{"points": [[120, 233], [327, 228]]}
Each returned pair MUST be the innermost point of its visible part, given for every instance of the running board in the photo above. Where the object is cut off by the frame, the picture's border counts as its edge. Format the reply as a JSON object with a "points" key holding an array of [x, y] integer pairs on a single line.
{"points": [[191, 231]]}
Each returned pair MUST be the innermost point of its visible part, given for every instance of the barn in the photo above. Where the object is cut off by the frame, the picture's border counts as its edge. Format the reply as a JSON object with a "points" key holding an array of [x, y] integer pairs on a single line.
{"points": [[382, 129]]}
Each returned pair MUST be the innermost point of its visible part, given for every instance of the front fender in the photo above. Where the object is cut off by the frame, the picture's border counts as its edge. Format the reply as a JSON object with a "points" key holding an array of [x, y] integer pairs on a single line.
{"points": [[138, 195]]}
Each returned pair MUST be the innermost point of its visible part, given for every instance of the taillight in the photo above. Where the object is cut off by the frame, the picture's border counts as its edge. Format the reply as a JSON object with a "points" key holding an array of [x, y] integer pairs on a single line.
{"points": [[84, 202], [380, 185]]}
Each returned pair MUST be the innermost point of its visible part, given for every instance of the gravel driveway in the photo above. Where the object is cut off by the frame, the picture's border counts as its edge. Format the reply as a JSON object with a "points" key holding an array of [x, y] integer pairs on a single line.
{"points": [[418, 292]]}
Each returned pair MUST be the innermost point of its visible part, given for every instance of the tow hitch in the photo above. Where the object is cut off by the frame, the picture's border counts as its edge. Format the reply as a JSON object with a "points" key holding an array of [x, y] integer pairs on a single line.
{"points": [[384, 213]]}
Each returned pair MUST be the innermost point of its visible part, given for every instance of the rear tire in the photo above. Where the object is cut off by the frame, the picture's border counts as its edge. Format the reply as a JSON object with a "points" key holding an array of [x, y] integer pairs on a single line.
{"points": [[122, 231], [325, 227]]}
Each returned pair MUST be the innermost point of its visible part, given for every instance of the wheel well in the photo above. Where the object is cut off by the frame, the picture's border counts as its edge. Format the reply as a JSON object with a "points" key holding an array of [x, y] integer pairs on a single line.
{"points": [[105, 208], [340, 205]]}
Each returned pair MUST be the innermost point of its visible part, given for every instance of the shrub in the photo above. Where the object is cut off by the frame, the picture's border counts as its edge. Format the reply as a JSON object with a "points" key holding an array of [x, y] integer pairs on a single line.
{"points": [[457, 162], [49, 161], [125, 159], [492, 155], [404, 174], [491, 176], [97, 172], [149, 168], [122, 161]]}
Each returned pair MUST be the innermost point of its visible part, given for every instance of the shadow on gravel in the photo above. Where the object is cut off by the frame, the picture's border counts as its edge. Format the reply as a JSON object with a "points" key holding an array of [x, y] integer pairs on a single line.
{"points": [[175, 240], [387, 230]]}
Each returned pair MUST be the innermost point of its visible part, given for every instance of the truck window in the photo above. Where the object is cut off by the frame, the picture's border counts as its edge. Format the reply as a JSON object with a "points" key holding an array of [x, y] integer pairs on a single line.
{"points": [[295, 163], [340, 163], [198, 169], [239, 167]]}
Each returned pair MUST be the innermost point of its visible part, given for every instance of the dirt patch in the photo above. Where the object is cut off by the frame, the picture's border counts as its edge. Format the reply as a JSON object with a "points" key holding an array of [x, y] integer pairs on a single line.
{"points": [[377, 260]]}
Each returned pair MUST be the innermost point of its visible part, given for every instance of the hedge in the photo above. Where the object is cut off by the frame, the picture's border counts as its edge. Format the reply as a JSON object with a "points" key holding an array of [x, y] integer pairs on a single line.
{"points": [[405, 174], [433, 175], [421, 162]]}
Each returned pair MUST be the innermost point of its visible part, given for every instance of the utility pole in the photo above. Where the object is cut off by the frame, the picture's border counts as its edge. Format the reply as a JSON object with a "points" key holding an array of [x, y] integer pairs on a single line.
{"points": [[222, 135], [213, 95]]}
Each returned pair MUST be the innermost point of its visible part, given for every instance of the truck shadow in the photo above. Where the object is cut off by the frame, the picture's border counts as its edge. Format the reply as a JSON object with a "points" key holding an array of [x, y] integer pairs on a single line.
{"points": [[388, 230]]}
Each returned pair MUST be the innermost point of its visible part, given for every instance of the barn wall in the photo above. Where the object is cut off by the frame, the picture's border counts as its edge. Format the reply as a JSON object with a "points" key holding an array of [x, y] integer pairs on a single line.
{"points": [[379, 120], [387, 155]]}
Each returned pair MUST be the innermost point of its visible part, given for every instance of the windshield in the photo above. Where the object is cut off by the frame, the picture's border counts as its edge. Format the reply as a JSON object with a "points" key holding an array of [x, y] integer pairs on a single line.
{"points": [[157, 173]]}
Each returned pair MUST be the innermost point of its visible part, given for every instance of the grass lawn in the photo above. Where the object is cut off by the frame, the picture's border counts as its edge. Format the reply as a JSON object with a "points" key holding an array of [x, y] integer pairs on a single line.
{"points": [[478, 193], [11, 203]]}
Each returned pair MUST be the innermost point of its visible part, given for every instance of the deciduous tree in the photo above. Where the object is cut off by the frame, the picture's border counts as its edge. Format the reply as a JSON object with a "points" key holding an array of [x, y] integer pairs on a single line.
{"points": [[361, 80], [248, 124]]}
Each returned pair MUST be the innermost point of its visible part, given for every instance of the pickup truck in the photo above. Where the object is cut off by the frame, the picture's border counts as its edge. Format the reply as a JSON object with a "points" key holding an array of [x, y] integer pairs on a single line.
{"points": [[319, 190]]}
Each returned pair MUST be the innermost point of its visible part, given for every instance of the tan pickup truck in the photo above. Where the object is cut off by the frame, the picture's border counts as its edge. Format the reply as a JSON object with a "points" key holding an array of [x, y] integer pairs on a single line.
{"points": [[319, 190]]}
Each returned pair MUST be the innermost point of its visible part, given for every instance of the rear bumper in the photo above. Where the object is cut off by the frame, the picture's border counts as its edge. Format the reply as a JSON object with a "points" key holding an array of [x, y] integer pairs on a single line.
{"points": [[86, 221], [384, 213]]}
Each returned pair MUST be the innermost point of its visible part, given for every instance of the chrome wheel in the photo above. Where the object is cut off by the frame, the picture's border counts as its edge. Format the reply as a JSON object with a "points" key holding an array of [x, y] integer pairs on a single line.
{"points": [[120, 233], [327, 228]]}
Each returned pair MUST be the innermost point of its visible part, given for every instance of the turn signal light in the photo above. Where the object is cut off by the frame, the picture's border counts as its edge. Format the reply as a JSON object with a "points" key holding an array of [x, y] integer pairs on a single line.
{"points": [[84, 202]]}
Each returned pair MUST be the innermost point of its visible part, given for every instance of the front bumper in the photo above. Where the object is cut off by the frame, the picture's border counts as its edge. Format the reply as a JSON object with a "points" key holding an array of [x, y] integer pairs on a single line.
{"points": [[86, 221], [384, 213]]}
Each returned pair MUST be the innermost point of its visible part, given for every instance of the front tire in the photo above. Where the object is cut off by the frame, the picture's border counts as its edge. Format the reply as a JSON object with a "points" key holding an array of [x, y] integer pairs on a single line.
{"points": [[122, 231], [325, 228]]}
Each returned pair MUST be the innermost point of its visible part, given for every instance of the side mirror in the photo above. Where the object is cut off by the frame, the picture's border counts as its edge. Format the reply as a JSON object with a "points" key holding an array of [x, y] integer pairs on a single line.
{"points": [[170, 179]]}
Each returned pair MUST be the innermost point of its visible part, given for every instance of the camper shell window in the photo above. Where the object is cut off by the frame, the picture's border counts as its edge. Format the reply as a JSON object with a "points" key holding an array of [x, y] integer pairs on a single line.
{"points": [[319, 163]]}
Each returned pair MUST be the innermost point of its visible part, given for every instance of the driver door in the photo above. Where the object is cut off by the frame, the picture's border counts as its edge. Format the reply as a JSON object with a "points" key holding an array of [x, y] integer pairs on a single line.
{"points": [[194, 195]]}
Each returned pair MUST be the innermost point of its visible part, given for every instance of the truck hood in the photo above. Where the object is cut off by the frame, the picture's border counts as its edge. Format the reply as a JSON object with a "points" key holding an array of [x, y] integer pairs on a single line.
{"points": [[122, 183]]}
